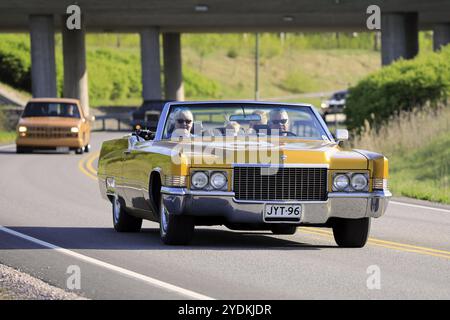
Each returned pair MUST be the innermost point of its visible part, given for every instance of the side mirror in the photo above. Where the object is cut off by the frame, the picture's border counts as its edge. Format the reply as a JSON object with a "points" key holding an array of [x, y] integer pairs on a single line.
{"points": [[341, 134], [144, 134], [91, 118]]}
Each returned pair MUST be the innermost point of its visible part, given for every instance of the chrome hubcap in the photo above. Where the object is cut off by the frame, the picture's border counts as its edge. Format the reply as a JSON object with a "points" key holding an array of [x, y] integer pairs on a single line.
{"points": [[116, 210], [164, 217]]}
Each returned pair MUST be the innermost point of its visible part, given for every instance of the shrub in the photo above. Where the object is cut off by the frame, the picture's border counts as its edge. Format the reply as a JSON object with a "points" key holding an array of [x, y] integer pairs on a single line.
{"points": [[232, 53], [15, 62], [402, 86]]}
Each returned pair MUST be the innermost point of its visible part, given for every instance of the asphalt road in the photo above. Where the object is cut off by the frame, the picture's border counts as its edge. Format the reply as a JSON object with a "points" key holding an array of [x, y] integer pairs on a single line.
{"points": [[52, 217]]}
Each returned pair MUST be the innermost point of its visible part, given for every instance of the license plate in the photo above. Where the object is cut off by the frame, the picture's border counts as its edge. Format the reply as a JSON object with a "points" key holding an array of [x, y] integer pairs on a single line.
{"points": [[282, 212]]}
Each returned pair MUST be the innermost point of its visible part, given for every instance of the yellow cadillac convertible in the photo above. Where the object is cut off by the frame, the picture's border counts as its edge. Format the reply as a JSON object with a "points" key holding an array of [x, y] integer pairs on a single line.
{"points": [[246, 165]]}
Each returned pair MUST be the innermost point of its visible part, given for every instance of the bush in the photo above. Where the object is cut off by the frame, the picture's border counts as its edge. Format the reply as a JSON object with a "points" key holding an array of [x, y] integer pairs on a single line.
{"points": [[232, 53], [15, 62], [402, 86]]}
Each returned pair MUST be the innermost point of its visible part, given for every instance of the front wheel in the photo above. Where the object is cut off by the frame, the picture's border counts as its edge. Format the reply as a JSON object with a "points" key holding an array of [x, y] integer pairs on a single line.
{"points": [[124, 222], [175, 229], [351, 233], [79, 150]]}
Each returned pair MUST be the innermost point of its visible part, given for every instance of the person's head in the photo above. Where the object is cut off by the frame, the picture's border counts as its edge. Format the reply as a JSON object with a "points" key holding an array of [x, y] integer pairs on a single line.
{"points": [[232, 127], [263, 116], [183, 119], [70, 110], [279, 119]]}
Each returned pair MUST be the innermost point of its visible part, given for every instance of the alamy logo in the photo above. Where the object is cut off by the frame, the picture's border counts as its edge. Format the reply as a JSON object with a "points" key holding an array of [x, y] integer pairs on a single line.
{"points": [[374, 20], [74, 280], [374, 280], [73, 21]]}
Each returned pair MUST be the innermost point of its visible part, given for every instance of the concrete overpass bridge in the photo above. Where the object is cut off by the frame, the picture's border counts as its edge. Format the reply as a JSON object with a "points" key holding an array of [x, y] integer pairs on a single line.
{"points": [[400, 22]]}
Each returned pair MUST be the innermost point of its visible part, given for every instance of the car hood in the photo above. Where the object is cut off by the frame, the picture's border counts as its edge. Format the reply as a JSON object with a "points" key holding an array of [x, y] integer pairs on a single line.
{"points": [[49, 121], [221, 153]]}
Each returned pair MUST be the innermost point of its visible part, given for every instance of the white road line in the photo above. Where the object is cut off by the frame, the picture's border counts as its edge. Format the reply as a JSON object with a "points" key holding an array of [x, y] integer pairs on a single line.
{"points": [[7, 146], [149, 280], [419, 206]]}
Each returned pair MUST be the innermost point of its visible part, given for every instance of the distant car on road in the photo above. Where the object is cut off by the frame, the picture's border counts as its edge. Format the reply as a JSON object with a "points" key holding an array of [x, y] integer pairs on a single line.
{"points": [[147, 116], [335, 104], [205, 165], [53, 123]]}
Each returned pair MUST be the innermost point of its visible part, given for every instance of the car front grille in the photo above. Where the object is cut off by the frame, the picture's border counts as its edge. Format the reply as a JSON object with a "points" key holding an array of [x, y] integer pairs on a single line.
{"points": [[280, 183], [50, 132]]}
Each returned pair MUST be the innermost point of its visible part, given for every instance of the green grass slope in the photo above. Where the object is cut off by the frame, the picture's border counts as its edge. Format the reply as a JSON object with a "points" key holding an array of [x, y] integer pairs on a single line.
{"points": [[423, 173]]}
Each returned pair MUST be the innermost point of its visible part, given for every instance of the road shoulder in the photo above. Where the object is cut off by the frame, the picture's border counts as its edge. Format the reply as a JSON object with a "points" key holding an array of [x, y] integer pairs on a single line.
{"points": [[16, 285]]}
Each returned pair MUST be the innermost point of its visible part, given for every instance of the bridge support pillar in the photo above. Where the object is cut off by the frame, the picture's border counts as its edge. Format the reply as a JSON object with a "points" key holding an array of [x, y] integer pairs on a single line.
{"points": [[151, 65], [399, 36], [441, 35], [43, 68], [75, 71], [173, 78]]}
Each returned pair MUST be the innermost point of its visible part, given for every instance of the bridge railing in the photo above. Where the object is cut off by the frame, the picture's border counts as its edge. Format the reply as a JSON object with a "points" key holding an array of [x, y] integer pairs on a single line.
{"points": [[112, 122]]}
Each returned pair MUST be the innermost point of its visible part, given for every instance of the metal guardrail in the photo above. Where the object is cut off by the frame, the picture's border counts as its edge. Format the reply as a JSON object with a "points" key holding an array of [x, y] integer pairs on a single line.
{"points": [[121, 118]]}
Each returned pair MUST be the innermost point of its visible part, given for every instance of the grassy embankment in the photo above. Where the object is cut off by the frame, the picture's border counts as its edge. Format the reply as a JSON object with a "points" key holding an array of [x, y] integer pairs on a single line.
{"points": [[418, 148]]}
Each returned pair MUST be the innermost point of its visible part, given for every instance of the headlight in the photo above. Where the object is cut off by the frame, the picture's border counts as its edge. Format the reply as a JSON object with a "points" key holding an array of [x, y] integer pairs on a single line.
{"points": [[22, 129], [341, 182], [199, 180], [218, 180], [74, 130], [359, 182]]}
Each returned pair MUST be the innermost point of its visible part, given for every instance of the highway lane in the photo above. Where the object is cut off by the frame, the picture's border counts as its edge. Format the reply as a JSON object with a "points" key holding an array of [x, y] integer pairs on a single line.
{"points": [[48, 197]]}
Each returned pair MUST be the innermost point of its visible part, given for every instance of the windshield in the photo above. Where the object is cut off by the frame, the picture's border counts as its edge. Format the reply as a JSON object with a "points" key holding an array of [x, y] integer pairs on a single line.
{"points": [[47, 109], [243, 120], [339, 95]]}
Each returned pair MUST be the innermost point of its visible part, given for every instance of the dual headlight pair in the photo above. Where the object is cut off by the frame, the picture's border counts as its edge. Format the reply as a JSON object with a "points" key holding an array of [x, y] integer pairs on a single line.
{"points": [[351, 182], [209, 180]]}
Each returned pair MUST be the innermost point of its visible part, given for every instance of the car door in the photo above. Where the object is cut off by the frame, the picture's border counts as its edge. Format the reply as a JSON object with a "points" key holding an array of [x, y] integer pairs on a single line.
{"points": [[135, 170]]}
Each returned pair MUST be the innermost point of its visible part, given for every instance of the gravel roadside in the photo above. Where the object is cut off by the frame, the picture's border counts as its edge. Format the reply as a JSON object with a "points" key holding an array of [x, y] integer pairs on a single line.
{"points": [[16, 285]]}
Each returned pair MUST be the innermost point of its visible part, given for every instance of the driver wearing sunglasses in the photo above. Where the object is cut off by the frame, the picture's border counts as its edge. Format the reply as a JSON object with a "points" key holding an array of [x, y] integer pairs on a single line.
{"points": [[182, 123], [279, 120]]}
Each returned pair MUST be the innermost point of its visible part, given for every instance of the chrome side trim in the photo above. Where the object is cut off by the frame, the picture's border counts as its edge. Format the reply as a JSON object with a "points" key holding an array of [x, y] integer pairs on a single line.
{"points": [[370, 155], [184, 191], [282, 165], [374, 194]]}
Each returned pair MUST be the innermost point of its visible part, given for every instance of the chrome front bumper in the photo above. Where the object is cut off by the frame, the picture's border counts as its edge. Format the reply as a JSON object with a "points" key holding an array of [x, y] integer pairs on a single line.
{"points": [[223, 204]]}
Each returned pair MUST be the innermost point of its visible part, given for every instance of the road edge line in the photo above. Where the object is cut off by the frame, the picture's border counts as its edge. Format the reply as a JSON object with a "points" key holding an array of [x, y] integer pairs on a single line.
{"points": [[418, 206], [129, 273]]}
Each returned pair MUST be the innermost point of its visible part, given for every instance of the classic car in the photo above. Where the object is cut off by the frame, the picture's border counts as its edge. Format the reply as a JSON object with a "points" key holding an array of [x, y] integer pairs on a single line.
{"points": [[335, 104], [147, 115], [53, 123], [246, 165]]}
